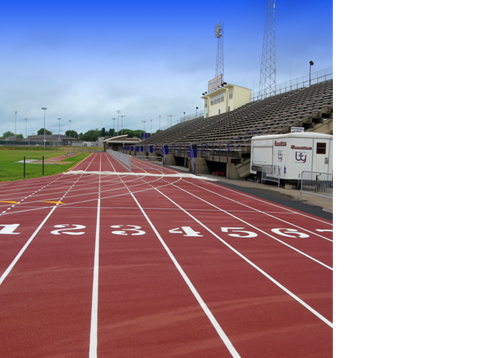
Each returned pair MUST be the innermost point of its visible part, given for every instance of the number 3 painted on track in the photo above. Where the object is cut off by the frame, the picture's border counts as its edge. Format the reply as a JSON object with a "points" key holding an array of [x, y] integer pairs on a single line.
{"points": [[135, 228]]}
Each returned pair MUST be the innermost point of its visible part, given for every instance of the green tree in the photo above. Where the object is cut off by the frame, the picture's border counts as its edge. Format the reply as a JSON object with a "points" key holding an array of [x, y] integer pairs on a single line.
{"points": [[71, 133], [103, 133], [41, 131], [7, 134], [91, 135]]}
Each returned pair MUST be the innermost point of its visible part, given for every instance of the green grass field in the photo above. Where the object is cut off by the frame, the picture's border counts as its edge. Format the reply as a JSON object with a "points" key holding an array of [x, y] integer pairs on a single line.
{"points": [[11, 170]]}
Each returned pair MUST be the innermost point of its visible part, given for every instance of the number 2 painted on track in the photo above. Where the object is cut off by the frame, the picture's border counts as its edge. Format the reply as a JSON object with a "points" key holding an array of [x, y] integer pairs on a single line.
{"points": [[64, 229]]}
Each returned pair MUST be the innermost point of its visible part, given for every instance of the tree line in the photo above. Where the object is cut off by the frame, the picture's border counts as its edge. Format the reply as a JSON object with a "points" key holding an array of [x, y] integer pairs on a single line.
{"points": [[89, 136]]}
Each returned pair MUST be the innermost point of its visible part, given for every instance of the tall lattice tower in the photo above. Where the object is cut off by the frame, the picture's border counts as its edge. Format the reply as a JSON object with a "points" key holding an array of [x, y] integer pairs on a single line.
{"points": [[220, 49], [268, 73]]}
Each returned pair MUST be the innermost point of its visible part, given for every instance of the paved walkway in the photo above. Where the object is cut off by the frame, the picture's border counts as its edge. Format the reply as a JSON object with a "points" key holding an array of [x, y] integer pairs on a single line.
{"points": [[294, 194]]}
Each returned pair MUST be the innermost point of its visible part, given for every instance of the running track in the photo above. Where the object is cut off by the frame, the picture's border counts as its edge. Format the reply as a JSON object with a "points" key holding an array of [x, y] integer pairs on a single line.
{"points": [[99, 262]]}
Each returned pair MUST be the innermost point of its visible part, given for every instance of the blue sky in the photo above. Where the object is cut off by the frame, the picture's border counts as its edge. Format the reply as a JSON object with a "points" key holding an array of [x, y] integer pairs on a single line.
{"points": [[85, 60]]}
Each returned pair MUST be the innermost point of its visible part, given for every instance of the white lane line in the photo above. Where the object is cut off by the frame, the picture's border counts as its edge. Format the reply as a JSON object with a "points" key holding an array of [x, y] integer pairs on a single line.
{"points": [[26, 245], [312, 310], [263, 212], [192, 288], [258, 229], [220, 187], [94, 317]]}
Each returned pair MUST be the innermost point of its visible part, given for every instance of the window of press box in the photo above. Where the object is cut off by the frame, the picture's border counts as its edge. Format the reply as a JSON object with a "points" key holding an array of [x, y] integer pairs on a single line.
{"points": [[321, 148]]}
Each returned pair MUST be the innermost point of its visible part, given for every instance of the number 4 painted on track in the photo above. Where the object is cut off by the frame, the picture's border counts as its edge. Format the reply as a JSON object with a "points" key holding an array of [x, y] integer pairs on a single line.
{"points": [[8, 229], [187, 230]]}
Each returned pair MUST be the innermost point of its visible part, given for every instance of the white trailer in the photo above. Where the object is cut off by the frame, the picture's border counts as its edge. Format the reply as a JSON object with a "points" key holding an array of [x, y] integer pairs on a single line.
{"points": [[286, 156]]}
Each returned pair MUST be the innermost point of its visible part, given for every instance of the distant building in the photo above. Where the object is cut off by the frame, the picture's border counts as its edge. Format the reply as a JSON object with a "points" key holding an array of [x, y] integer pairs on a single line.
{"points": [[117, 143]]}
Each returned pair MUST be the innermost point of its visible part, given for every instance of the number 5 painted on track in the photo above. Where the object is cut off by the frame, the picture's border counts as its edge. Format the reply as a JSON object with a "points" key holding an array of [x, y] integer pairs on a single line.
{"points": [[8, 229], [238, 229], [290, 233]]}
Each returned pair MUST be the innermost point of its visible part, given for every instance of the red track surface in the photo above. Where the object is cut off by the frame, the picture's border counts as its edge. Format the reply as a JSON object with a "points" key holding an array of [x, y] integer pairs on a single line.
{"points": [[157, 266]]}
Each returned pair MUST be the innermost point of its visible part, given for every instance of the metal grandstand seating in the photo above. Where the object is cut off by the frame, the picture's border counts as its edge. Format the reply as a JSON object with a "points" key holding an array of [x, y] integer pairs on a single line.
{"points": [[226, 137]]}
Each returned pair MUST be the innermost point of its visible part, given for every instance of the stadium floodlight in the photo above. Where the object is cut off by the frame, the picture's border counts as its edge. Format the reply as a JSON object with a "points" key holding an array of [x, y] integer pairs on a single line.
{"points": [[144, 126], [69, 120], [25, 128], [15, 130], [122, 123], [159, 125], [44, 140], [59, 129], [310, 65], [170, 115], [118, 112], [113, 118]]}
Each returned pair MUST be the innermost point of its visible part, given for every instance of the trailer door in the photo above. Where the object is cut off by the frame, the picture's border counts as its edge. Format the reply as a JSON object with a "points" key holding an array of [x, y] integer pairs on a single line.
{"points": [[321, 155]]}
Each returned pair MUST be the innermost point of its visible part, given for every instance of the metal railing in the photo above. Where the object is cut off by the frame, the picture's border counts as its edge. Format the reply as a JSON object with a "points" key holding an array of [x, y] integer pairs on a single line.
{"points": [[124, 159], [296, 83], [317, 183], [271, 173]]}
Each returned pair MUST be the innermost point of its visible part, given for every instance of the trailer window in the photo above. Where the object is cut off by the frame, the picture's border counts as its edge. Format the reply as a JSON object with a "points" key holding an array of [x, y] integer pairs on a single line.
{"points": [[321, 148]]}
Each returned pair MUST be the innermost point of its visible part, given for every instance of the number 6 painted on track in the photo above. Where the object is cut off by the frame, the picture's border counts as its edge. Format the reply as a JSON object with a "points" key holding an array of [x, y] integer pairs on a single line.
{"points": [[239, 229], [290, 233]]}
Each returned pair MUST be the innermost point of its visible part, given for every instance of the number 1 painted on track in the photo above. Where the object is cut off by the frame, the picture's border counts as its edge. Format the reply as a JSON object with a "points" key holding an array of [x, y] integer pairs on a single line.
{"points": [[8, 229]]}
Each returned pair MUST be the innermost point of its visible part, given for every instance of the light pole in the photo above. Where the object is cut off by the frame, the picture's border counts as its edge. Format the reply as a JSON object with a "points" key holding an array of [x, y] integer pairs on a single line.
{"points": [[122, 123], [114, 126], [118, 112], [310, 65], [69, 120], [151, 126], [44, 140], [59, 129], [159, 125], [25, 128], [144, 126], [170, 115], [15, 130]]}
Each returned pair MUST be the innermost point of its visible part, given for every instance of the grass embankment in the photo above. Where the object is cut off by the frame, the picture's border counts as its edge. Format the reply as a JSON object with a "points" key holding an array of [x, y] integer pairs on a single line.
{"points": [[11, 170]]}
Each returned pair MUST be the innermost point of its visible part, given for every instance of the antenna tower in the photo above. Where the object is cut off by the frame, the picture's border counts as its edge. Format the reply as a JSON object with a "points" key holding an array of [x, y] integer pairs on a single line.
{"points": [[268, 72], [218, 33]]}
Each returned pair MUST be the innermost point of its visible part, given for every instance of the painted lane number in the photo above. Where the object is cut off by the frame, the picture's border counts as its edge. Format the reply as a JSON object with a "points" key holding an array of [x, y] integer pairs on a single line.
{"points": [[65, 229], [8, 229], [135, 230], [238, 232], [290, 233], [189, 232]]}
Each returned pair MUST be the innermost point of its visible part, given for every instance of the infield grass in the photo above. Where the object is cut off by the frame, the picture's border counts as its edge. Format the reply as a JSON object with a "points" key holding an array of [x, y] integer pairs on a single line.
{"points": [[10, 169]]}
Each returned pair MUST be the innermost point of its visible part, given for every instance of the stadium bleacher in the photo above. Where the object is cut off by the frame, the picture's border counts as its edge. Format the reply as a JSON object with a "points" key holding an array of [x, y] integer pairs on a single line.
{"points": [[225, 138]]}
